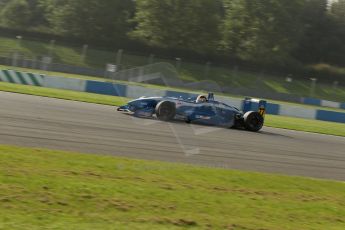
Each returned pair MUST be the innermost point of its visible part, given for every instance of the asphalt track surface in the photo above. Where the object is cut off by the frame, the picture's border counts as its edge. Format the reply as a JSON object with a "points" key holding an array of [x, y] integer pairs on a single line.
{"points": [[89, 128]]}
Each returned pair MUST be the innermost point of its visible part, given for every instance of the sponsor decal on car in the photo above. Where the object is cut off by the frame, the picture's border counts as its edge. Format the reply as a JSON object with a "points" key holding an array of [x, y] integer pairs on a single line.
{"points": [[202, 117]]}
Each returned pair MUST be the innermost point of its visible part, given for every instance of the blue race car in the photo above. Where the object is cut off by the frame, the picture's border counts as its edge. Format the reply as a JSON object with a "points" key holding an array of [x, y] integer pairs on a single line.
{"points": [[202, 110]]}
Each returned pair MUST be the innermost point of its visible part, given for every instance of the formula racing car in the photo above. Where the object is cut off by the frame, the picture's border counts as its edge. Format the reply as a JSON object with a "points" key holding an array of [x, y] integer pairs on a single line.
{"points": [[201, 110]]}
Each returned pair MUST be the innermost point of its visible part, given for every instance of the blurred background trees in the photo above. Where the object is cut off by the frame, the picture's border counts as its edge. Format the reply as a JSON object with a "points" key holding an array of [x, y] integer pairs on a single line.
{"points": [[264, 31], [269, 32], [179, 24], [16, 14], [104, 20]]}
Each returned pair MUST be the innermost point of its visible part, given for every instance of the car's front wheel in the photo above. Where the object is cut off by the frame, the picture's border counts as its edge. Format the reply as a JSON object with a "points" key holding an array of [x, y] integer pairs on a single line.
{"points": [[165, 110]]}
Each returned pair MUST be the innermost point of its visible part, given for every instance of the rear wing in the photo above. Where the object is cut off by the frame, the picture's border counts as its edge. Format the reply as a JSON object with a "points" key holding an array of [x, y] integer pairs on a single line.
{"points": [[210, 97], [252, 104]]}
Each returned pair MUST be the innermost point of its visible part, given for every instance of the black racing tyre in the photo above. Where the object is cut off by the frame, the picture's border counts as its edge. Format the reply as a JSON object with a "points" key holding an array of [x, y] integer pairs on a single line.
{"points": [[253, 121], [165, 110]]}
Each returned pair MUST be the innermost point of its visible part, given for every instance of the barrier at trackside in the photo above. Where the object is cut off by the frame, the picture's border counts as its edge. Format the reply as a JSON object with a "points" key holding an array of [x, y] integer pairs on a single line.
{"points": [[21, 78], [106, 88], [135, 91], [323, 103], [324, 115], [67, 83]]}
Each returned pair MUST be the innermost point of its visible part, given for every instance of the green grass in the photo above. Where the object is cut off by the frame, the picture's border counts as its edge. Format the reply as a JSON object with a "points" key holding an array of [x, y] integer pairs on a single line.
{"points": [[63, 94], [189, 71], [299, 124], [46, 189]]}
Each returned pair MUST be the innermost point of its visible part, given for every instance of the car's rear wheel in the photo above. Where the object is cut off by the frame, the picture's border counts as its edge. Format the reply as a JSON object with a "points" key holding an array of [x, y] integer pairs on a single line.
{"points": [[165, 110], [253, 121]]}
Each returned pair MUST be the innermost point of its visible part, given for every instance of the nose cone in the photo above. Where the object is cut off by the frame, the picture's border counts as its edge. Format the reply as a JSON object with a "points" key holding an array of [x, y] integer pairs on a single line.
{"points": [[135, 103], [123, 108]]}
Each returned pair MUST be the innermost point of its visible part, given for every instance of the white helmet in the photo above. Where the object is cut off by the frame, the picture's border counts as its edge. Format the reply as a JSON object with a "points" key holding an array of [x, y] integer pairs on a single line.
{"points": [[201, 99]]}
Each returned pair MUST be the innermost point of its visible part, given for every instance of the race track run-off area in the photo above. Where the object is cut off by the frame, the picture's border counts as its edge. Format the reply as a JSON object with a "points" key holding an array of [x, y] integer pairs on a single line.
{"points": [[90, 128]]}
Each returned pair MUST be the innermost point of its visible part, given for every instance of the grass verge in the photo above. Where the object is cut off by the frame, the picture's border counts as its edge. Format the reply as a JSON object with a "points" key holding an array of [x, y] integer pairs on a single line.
{"points": [[298, 124], [63, 94], [46, 189]]}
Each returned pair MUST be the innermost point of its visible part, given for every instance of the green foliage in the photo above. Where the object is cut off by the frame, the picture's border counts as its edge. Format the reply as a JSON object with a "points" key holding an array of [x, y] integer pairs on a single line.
{"points": [[324, 38], [264, 31], [38, 18], [338, 13], [90, 19], [3, 3], [269, 32], [22, 14], [338, 10], [179, 24], [16, 14]]}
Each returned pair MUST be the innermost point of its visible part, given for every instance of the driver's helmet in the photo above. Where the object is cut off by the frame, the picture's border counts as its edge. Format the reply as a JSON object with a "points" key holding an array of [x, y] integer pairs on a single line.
{"points": [[201, 99]]}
